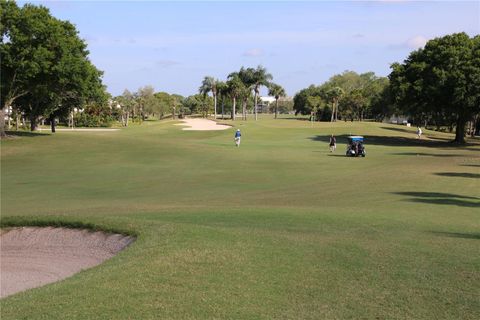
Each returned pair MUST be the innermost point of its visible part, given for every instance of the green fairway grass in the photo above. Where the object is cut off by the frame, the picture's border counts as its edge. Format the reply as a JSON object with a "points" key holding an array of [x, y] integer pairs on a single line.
{"points": [[279, 228]]}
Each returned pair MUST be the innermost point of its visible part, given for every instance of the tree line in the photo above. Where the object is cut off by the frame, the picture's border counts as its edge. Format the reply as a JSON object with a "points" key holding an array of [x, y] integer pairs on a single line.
{"points": [[438, 85], [46, 75], [346, 96]]}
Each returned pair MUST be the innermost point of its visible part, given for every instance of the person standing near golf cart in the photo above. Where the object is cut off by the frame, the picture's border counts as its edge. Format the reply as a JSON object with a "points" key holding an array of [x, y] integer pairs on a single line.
{"points": [[238, 137], [333, 143]]}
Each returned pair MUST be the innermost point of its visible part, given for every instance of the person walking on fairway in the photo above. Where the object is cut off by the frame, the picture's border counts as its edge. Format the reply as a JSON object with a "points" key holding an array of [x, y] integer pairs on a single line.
{"points": [[333, 143], [419, 132], [238, 136]]}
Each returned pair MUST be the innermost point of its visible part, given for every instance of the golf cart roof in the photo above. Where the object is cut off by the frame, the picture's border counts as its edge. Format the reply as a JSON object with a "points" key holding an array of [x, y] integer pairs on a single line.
{"points": [[355, 138]]}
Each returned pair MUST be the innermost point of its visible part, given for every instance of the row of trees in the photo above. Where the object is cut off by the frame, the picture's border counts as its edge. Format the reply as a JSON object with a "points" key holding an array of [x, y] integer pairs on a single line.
{"points": [[436, 85], [344, 96], [440, 83], [239, 87], [146, 102], [45, 70]]}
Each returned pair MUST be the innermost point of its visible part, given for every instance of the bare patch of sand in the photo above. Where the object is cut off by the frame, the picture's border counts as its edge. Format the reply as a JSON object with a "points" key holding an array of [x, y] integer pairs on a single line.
{"points": [[202, 125], [31, 257]]}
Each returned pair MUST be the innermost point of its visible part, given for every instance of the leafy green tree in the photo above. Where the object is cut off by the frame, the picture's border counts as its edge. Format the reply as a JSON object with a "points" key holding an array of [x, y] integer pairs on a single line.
{"points": [[300, 100], [209, 84], [236, 88], [256, 78], [334, 96], [315, 103], [127, 103], [441, 78], [199, 103], [276, 91], [146, 101], [45, 67], [222, 93]]}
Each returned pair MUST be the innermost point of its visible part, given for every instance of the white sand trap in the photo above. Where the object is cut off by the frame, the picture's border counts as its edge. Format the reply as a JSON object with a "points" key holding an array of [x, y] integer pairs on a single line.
{"points": [[31, 257], [202, 125]]}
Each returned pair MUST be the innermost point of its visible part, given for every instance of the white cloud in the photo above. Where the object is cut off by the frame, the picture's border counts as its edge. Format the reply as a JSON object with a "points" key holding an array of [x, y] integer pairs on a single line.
{"points": [[416, 42], [413, 43], [253, 53]]}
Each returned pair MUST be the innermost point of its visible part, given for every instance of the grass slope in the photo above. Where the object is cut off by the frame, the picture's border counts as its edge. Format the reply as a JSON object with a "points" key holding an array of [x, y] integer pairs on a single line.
{"points": [[278, 228]]}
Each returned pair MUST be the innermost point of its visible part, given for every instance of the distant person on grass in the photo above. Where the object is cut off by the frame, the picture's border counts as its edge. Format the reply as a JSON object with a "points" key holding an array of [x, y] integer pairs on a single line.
{"points": [[419, 132], [333, 143], [238, 137]]}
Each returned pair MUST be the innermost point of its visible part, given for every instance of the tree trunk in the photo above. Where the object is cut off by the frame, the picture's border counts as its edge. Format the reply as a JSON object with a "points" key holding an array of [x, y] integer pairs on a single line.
{"points": [[244, 110], [460, 130], [233, 108], [474, 126], [336, 110], [33, 123], [126, 118], [276, 108], [17, 121], [215, 106], [256, 118], [173, 115], [223, 108], [2, 124], [52, 123], [333, 112]]}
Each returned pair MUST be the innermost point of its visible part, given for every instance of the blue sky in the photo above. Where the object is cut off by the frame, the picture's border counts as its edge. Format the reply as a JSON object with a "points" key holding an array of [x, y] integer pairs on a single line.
{"points": [[173, 45]]}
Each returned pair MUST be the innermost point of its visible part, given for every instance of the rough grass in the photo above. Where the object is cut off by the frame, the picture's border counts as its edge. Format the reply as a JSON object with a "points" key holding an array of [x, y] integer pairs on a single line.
{"points": [[278, 228]]}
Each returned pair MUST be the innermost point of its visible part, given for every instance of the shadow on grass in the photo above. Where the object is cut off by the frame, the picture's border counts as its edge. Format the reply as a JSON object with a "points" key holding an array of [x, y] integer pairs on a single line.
{"points": [[400, 130], [387, 141], [442, 199], [27, 134], [457, 235], [295, 118], [423, 154], [471, 165], [459, 174]]}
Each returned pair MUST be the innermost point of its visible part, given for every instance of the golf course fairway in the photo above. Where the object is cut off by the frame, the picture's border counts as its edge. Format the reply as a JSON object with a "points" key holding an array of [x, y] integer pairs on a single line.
{"points": [[279, 228]]}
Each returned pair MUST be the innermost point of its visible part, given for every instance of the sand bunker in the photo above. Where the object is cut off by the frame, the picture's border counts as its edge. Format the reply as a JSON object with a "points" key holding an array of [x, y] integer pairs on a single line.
{"points": [[202, 125], [31, 257]]}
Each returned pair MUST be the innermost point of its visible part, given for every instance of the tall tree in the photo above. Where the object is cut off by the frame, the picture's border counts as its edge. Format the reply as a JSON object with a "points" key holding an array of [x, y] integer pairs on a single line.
{"points": [[45, 67], [260, 77], [441, 78], [126, 102], [276, 91], [209, 84], [235, 89], [222, 93], [334, 96]]}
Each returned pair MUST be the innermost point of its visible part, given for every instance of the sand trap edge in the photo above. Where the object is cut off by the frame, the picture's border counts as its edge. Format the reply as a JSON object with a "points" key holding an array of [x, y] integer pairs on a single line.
{"points": [[31, 257]]}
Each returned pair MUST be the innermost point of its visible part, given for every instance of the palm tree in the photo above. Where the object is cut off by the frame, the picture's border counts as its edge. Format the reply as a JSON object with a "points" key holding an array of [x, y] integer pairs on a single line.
{"points": [[222, 92], [276, 91], [334, 95], [210, 84], [260, 78], [235, 88]]}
